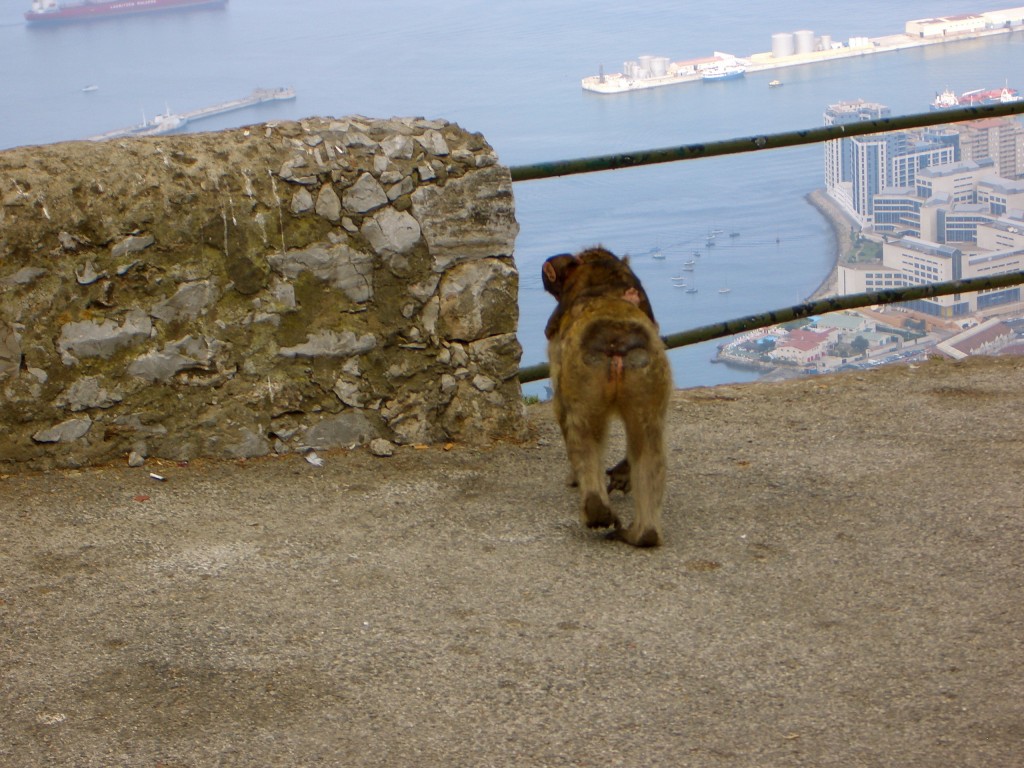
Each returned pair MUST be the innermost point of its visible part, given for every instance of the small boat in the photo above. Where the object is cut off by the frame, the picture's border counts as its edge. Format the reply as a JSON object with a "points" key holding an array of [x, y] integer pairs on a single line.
{"points": [[724, 290], [774, 83], [657, 254], [717, 232], [689, 263], [692, 289], [90, 88], [710, 241], [687, 268], [734, 234]]}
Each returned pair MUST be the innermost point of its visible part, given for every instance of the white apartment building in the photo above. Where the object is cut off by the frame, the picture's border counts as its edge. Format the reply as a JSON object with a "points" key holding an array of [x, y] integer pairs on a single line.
{"points": [[910, 261]]}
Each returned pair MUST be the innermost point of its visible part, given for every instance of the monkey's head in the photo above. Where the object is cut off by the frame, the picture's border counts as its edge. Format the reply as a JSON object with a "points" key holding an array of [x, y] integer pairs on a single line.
{"points": [[595, 271], [559, 270], [556, 271]]}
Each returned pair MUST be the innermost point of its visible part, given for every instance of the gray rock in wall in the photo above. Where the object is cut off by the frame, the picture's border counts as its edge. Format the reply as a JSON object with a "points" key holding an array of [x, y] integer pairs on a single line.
{"points": [[103, 338], [329, 343], [365, 195], [179, 299], [188, 302], [336, 264]]}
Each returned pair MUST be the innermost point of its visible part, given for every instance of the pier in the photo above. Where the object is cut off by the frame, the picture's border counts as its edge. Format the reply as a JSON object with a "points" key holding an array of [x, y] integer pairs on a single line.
{"points": [[984, 25], [170, 121]]}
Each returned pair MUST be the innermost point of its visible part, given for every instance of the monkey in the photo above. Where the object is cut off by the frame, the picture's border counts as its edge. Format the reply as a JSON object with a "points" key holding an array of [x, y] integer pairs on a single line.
{"points": [[616, 274], [607, 359]]}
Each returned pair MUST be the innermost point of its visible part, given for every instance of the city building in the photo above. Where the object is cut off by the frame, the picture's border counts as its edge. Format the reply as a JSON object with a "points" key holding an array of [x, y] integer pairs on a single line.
{"points": [[802, 346], [840, 169], [857, 168], [999, 138], [919, 263], [983, 339], [910, 261]]}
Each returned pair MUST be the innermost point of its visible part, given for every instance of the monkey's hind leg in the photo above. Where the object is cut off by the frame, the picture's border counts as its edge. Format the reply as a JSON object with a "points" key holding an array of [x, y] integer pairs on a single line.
{"points": [[584, 440], [645, 450]]}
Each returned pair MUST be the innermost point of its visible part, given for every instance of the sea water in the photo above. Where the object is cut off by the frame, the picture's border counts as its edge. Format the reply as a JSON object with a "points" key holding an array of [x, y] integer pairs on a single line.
{"points": [[511, 69]]}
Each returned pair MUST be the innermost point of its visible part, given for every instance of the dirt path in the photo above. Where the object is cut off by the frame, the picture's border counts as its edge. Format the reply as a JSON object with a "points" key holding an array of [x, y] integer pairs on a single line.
{"points": [[840, 585]]}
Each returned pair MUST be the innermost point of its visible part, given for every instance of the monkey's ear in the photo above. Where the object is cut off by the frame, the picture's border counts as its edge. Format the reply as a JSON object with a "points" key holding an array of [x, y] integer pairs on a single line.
{"points": [[552, 283], [550, 275], [555, 272]]}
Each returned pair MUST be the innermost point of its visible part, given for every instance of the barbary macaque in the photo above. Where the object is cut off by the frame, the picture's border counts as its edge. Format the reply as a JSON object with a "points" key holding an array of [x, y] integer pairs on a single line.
{"points": [[607, 359]]}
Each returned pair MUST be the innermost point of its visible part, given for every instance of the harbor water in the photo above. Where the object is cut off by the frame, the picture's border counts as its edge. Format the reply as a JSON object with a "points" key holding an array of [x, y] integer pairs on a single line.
{"points": [[512, 71]]}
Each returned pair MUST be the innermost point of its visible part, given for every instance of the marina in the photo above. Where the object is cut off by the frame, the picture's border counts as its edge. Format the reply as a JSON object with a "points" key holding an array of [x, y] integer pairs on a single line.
{"points": [[169, 122], [800, 48]]}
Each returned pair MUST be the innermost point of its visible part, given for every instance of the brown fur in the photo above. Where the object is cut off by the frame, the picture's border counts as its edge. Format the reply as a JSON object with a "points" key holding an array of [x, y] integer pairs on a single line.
{"points": [[607, 360], [563, 279]]}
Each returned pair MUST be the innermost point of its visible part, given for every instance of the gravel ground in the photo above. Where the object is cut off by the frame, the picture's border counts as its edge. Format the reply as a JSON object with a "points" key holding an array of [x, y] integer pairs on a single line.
{"points": [[840, 586]]}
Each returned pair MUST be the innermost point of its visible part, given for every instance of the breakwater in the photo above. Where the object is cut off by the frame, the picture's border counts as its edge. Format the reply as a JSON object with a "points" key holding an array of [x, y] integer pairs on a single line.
{"points": [[173, 121]]}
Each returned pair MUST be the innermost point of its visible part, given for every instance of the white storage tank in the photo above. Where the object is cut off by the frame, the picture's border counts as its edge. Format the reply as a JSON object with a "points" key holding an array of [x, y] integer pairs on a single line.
{"points": [[825, 43], [659, 66], [782, 44], [804, 41]]}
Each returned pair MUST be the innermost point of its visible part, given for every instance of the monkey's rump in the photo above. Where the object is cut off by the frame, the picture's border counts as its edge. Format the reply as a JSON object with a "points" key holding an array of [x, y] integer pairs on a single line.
{"points": [[627, 340]]}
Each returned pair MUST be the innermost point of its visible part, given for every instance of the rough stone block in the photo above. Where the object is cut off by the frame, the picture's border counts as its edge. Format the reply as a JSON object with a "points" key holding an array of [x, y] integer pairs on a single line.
{"points": [[178, 300]]}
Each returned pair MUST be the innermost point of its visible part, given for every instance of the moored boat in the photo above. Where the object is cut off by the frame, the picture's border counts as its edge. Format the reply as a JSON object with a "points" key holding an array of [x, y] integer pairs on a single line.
{"points": [[947, 99], [722, 72]]}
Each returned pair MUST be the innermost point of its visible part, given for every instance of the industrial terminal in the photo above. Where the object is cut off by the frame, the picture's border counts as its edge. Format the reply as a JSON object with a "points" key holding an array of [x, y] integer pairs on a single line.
{"points": [[802, 47]]}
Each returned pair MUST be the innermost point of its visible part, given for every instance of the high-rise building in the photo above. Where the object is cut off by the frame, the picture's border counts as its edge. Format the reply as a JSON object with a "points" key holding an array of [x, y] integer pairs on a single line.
{"points": [[839, 152], [859, 167], [999, 138]]}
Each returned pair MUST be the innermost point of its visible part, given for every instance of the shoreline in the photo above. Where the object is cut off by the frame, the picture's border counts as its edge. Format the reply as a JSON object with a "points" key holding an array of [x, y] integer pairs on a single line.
{"points": [[842, 245], [842, 240]]}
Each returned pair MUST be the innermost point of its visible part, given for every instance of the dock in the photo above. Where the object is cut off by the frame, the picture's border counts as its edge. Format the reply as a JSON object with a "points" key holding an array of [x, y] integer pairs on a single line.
{"points": [[171, 121], [989, 24]]}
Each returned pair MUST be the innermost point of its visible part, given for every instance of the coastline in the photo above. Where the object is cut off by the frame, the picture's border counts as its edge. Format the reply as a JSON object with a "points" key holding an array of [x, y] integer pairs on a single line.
{"points": [[842, 245], [842, 239]]}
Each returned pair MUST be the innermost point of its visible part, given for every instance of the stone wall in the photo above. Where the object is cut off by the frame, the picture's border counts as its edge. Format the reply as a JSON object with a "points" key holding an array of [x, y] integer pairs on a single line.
{"points": [[280, 287]]}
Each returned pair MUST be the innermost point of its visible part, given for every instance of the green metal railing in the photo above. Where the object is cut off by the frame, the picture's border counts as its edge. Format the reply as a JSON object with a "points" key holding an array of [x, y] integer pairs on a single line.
{"points": [[778, 141], [758, 143]]}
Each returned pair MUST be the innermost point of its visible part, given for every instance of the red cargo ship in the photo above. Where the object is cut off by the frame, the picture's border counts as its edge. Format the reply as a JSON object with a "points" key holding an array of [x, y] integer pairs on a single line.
{"points": [[52, 12]]}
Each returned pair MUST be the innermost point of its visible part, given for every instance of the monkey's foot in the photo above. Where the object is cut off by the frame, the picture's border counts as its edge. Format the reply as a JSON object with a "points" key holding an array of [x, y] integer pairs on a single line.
{"points": [[649, 537], [618, 477], [596, 513]]}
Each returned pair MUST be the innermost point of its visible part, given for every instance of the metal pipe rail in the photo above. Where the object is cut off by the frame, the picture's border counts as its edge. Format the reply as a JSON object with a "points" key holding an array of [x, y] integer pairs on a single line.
{"points": [[758, 143], [819, 307], [777, 141]]}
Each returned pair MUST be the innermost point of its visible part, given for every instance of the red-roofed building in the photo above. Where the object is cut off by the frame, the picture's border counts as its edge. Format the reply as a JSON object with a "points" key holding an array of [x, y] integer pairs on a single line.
{"points": [[803, 346], [984, 339]]}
